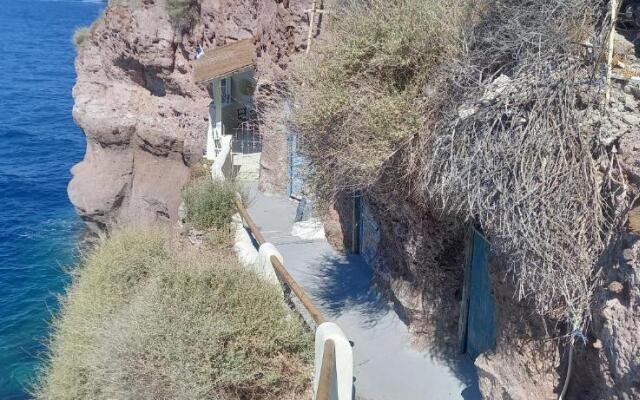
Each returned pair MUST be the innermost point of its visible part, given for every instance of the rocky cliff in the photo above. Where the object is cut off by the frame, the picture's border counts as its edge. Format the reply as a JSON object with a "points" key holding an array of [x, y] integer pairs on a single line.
{"points": [[420, 261], [144, 117]]}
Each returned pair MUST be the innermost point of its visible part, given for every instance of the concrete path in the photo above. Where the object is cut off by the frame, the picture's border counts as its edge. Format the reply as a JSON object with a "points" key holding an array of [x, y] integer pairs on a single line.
{"points": [[386, 365]]}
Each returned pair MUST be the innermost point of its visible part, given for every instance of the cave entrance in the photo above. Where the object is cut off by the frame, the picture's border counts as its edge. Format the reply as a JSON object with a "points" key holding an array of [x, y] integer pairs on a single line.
{"points": [[477, 329]]}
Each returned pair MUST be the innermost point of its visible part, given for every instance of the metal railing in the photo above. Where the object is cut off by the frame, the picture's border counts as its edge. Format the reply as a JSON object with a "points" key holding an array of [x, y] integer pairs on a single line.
{"points": [[329, 383]]}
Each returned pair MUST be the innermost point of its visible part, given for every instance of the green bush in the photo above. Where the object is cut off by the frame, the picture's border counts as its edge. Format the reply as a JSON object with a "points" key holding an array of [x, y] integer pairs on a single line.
{"points": [[80, 35], [209, 204], [380, 58], [142, 320], [184, 14]]}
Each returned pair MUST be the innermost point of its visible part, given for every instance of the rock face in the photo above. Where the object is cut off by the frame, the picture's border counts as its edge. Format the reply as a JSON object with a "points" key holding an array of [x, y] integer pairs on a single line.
{"points": [[144, 117], [419, 261]]}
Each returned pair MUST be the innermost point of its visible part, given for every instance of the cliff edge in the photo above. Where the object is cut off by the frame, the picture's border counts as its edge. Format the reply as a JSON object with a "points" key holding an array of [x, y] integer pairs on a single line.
{"points": [[136, 101]]}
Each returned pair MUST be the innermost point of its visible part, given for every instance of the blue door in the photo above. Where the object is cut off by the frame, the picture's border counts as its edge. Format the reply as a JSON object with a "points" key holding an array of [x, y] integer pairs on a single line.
{"points": [[479, 334], [295, 166], [369, 233]]}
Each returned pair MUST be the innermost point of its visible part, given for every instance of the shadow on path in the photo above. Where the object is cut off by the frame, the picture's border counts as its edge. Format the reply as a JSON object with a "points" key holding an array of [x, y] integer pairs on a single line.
{"points": [[347, 283]]}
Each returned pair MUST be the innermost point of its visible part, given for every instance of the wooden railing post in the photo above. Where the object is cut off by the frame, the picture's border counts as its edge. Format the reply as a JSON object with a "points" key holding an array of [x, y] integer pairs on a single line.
{"points": [[326, 371]]}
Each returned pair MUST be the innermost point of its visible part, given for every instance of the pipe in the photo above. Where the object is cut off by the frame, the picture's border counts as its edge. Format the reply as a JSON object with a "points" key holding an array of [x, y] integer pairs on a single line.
{"points": [[567, 378]]}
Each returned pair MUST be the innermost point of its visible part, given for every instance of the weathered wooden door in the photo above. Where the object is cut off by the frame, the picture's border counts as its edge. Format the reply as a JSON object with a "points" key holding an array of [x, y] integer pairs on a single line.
{"points": [[478, 319]]}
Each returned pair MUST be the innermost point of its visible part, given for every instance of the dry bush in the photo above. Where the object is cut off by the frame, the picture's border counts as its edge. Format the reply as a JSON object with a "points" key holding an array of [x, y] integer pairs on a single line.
{"points": [[201, 169], [144, 321], [495, 110], [356, 97], [130, 4], [80, 35], [184, 14], [515, 147]]}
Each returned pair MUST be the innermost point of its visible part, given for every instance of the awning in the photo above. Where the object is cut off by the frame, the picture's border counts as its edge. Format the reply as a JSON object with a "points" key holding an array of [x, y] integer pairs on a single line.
{"points": [[224, 61]]}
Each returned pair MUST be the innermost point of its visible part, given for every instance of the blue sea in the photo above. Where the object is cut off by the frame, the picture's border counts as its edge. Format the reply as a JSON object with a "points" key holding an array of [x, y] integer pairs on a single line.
{"points": [[39, 143]]}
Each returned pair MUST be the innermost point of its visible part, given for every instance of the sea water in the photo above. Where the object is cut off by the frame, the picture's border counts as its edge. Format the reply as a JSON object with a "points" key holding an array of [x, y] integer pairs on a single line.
{"points": [[39, 143]]}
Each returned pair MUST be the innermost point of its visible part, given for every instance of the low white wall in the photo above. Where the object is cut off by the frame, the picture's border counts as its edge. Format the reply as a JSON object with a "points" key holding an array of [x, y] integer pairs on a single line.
{"points": [[243, 245], [222, 167], [342, 380], [260, 261]]}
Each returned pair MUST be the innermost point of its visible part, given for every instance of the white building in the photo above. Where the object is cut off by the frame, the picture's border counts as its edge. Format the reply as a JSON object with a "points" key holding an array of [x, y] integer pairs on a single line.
{"points": [[228, 73]]}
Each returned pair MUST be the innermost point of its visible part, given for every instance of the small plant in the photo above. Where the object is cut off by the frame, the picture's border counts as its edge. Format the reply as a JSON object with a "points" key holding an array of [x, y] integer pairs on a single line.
{"points": [[80, 35], [209, 204], [183, 13], [201, 169]]}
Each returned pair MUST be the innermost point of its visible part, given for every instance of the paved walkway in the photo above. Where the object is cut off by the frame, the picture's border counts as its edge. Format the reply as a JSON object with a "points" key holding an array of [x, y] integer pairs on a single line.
{"points": [[386, 366]]}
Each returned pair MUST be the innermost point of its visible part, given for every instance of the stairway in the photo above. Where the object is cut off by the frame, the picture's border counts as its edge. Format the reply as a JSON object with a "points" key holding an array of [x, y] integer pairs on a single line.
{"points": [[246, 166]]}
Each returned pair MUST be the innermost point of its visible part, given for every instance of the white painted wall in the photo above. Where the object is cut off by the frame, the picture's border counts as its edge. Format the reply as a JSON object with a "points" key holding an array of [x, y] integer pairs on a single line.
{"points": [[216, 128], [342, 380]]}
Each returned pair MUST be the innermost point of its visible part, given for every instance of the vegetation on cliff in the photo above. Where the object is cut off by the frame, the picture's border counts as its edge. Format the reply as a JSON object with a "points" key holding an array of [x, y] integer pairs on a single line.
{"points": [[209, 203], [146, 320], [80, 35], [382, 57], [183, 13], [485, 111]]}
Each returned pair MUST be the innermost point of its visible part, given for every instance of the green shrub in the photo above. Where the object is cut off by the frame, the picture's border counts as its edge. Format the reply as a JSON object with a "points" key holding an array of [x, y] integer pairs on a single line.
{"points": [[184, 14], [379, 59], [209, 204], [142, 320], [80, 35]]}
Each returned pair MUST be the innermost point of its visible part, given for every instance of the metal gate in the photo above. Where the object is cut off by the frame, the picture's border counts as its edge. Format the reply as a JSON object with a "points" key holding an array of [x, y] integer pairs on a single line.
{"points": [[478, 316], [246, 139]]}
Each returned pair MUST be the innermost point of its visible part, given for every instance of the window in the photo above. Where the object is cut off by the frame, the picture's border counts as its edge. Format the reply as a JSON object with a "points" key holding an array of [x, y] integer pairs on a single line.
{"points": [[225, 85]]}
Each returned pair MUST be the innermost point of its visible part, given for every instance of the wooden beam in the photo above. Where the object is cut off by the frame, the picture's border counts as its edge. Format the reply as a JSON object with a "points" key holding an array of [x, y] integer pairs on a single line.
{"points": [[315, 313], [326, 370], [614, 15], [314, 9], [249, 222]]}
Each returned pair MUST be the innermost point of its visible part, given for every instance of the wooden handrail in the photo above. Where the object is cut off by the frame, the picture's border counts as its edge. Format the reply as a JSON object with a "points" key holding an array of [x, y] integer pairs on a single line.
{"points": [[280, 269], [326, 370], [253, 228], [298, 290]]}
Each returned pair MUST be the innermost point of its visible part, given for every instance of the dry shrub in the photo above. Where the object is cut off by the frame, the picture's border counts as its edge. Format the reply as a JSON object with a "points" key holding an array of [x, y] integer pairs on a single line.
{"points": [[144, 321], [357, 96], [184, 14], [515, 146], [201, 169], [80, 35], [503, 111]]}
